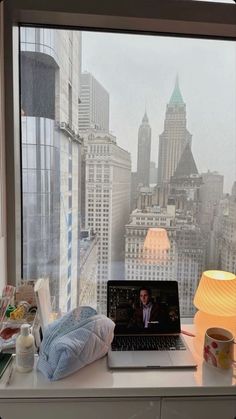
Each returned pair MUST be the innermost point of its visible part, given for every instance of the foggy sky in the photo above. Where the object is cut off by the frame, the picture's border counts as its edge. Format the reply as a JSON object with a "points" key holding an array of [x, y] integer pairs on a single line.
{"points": [[140, 70]]}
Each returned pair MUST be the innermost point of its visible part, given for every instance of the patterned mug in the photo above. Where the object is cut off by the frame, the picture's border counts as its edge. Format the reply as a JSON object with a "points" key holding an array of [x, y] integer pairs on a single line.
{"points": [[219, 347]]}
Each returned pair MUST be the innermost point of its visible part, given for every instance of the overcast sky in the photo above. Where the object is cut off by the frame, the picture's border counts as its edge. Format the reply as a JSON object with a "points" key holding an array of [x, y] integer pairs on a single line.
{"points": [[139, 70]]}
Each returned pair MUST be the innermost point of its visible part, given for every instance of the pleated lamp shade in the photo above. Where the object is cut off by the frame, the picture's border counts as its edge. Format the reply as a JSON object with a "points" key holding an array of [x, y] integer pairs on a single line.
{"points": [[216, 293], [215, 299], [156, 245]]}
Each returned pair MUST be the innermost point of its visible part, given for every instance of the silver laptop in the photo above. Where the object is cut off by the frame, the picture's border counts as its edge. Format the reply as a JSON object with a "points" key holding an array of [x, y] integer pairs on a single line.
{"points": [[147, 331]]}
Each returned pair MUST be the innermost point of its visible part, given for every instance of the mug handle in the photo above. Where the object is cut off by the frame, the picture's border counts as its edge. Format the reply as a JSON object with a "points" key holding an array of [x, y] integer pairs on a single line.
{"points": [[234, 360]]}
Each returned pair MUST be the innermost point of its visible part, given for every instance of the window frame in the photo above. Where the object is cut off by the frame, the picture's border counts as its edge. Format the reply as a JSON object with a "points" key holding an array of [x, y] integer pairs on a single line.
{"points": [[188, 18]]}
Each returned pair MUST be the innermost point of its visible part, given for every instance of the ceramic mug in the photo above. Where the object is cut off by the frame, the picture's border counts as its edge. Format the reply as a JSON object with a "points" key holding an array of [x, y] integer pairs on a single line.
{"points": [[219, 347]]}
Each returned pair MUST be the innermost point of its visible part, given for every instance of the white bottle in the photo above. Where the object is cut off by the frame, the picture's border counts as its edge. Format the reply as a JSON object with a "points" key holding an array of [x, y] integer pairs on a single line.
{"points": [[25, 349]]}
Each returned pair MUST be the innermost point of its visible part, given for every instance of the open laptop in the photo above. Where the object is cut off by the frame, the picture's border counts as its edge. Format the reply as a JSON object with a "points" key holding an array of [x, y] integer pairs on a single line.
{"points": [[147, 331]]}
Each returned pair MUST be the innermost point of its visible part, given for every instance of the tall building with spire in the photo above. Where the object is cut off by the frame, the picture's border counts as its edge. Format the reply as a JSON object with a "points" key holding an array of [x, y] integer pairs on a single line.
{"points": [[144, 151], [174, 138]]}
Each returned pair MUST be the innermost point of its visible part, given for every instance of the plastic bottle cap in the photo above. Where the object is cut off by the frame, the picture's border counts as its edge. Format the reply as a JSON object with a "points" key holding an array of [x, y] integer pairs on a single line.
{"points": [[25, 329]]}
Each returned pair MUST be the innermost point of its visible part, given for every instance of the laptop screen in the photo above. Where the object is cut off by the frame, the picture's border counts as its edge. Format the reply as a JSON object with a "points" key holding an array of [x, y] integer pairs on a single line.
{"points": [[143, 307]]}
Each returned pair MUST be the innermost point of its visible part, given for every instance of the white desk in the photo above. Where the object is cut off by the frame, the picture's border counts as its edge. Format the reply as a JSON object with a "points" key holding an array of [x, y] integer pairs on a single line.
{"points": [[96, 392]]}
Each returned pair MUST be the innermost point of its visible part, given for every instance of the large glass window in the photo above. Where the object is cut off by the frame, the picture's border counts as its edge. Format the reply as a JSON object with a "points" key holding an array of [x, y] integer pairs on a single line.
{"points": [[128, 160]]}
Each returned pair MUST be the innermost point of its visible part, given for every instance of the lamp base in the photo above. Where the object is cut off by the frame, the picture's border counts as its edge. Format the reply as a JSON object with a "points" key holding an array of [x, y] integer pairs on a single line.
{"points": [[203, 321]]}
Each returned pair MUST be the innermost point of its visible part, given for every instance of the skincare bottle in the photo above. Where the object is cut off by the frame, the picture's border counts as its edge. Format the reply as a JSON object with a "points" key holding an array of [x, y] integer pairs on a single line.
{"points": [[25, 349]]}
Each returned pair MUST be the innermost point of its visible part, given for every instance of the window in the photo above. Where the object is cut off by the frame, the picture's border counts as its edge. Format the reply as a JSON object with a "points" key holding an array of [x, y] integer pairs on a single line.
{"points": [[189, 194]]}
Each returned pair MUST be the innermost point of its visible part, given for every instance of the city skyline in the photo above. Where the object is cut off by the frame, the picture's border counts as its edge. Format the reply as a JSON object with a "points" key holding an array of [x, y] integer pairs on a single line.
{"points": [[206, 70], [78, 226]]}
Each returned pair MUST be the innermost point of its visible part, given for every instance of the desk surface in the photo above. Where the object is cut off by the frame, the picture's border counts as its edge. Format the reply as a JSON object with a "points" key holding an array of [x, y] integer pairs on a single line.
{"points": [[96, 380]]}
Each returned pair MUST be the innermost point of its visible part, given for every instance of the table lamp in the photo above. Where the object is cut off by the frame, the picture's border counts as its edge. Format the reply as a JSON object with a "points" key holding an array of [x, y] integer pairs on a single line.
{"points": [[156, 245], [215, 299]]}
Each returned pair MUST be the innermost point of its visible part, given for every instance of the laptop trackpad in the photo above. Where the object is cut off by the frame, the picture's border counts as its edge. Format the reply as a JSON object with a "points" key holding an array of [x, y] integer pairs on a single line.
{"points": [[139, 359], [154, 359]]}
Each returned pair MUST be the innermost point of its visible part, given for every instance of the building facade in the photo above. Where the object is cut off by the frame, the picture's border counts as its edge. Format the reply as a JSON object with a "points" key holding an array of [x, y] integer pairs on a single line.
{"points": [[108, 180], [88, 269], [224, 234], [94, 104], [185, 185], [133, 192], [210, 194], [184, 260], [191, 249], [51, 160]]}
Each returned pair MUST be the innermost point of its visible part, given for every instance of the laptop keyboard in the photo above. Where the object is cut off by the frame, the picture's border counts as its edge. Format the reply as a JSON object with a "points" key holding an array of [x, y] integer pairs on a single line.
{"points": [[147, 343]]}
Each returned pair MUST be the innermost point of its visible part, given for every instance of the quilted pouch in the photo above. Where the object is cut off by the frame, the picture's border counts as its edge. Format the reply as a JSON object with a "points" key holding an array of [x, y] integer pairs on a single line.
{"points": [[73, 341]]}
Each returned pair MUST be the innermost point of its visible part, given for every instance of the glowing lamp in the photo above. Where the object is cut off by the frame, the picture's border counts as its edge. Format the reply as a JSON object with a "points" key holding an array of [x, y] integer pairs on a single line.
{"points": [[215, 299], [156, 245]]}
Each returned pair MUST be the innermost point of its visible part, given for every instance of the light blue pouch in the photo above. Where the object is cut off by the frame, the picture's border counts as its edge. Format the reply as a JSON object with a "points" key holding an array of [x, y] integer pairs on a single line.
{"points": [[73, 341]]}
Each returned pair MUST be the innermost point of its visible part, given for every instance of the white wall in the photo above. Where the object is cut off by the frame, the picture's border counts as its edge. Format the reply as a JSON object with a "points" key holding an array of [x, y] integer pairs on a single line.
{"points": [[2, 165]]}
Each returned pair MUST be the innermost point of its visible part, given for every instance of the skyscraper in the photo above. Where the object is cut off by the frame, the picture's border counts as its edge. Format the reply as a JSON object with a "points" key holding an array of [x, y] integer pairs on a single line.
{"points": [[108, 171], [211, 192], [174, 137], [210, 195], [94, 104], [144, 151], [107, 177], [51, 159]]}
